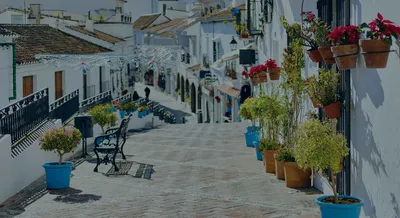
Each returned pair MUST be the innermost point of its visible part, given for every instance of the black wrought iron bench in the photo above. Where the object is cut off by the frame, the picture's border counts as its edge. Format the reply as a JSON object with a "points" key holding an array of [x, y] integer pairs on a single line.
{"points": [[111, 143]]}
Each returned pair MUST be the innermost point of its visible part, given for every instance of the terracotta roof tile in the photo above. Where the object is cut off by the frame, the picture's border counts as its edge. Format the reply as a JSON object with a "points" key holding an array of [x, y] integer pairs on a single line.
{"points": [[167, 34], [43, 39], [97, 34], [144, 21], [170, 25], [195, 67], [188, 25], [222, 15]]}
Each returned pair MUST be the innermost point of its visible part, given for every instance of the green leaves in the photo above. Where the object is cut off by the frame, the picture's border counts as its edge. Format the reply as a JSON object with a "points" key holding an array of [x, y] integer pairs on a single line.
{"points": [[103, 116], [364, 25]]}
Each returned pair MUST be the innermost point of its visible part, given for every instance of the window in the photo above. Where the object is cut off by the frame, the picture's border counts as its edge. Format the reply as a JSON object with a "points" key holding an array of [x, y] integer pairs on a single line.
{"points": [[254, 17], [268, 7], [216, 50]]}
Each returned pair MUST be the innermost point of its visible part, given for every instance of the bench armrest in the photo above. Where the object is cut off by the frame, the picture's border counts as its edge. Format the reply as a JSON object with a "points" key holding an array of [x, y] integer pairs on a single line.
{"points": [[111, 130]]}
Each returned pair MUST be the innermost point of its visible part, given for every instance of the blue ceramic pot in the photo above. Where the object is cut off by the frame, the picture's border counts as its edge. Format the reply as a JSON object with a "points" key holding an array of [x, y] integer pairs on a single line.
{"points": [[122, 114], [58, 176], [256, 144], [252, 129], [252, 138], [140, 114], [339, 210]]}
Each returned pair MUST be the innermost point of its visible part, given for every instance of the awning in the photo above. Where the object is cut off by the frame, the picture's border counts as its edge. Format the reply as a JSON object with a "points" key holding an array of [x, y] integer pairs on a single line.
{"points": [[229, 90]]}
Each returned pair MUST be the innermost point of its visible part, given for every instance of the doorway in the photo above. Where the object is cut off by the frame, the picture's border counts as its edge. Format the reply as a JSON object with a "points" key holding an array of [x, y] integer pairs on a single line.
{"points": [[193, 98], [27, 82], [58, 84]]}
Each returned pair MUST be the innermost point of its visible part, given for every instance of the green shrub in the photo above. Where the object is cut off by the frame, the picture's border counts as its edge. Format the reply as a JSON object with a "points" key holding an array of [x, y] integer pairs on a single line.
{"points": [[103, 116]]}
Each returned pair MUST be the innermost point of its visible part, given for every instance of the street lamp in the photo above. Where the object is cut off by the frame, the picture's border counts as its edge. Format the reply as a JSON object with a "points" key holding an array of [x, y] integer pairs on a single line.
{"points": [[233, 44]]}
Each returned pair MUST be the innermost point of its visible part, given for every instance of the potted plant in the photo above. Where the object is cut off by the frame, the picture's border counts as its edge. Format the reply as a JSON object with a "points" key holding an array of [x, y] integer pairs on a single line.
{"points": [[62, 141], [324, 91], [142, 110], [309, 85], [345, 46], [321, 32], [258, 74], [244, 34], [320, 147], [103, 117], [129, 107], [295, 177], [377, 47], [272, 69], [306, 32], [269, 148], [245, 112]]}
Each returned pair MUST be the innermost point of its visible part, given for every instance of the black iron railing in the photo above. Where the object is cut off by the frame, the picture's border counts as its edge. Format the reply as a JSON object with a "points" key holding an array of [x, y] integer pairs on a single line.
{"points": [[19, 118], [102, 98], [65, 107]]}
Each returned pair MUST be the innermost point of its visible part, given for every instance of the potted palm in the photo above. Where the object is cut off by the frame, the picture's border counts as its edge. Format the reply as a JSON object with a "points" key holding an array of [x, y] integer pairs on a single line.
{"points": [[324, 91], [102, 116], [345, 46], [62, 141], [272, 69], [377, 47], [320, 147]]}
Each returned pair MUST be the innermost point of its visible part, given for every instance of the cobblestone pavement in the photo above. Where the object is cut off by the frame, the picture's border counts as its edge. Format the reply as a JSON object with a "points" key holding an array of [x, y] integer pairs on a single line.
{"points": [[202, 170]]}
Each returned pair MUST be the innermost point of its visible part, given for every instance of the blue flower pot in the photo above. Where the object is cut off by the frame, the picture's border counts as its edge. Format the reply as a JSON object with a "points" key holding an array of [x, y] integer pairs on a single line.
{"points": [[252, 129], [339, 210], [258, 154], [148, 112], [58, 176], [122, 114], [251, 138], [140, 114], [112, 109]]}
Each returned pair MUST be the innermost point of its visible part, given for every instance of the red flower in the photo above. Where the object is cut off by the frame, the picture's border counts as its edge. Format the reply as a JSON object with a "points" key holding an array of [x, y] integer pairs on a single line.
{"points": [[345, 35], [381, 29], [257, 69], [271, 63]]}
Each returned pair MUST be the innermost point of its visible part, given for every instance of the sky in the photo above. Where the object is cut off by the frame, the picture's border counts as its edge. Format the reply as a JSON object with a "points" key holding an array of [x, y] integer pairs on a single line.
{"points": [[75, 6]]}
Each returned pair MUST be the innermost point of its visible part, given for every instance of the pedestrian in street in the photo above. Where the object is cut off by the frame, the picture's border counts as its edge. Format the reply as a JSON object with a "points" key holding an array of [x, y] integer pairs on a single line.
{"points": [[147, 92], [135, 96]]}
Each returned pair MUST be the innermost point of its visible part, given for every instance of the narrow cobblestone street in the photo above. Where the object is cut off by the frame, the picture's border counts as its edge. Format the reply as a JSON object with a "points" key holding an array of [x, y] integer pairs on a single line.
{"points": [[201, 170]]}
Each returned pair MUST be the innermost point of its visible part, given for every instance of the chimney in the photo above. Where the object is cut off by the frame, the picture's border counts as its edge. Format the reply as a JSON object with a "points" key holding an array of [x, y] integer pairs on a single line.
{"points": [[119, 6], [89, 26], [164, 9], [35, 12]]}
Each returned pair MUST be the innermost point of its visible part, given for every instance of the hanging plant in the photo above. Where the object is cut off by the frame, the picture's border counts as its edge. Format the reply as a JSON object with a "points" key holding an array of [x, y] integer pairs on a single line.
{"points": [[377, 47], [258, 74], [345, 49], [272, 69]]}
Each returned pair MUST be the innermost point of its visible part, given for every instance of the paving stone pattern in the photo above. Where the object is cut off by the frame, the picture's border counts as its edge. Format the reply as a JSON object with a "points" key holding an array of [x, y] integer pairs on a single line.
{"points": [[201, 170]]}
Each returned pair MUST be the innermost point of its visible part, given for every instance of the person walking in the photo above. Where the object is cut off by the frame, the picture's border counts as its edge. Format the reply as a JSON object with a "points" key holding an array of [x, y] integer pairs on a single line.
{"points": [[147, 92], [135, 96]]}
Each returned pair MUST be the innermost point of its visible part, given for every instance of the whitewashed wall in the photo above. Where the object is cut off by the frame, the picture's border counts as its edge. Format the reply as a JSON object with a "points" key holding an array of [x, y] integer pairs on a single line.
{"points": [[116, 29], [375, 129]]}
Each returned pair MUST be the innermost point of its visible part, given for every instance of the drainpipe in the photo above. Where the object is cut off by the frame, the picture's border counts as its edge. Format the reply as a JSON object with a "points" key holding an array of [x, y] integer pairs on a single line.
{"points": [[14, 75]]}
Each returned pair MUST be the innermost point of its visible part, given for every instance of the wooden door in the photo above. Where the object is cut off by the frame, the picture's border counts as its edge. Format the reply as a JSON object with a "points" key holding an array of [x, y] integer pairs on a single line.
{"points": [[27, 85], [58, 84]]}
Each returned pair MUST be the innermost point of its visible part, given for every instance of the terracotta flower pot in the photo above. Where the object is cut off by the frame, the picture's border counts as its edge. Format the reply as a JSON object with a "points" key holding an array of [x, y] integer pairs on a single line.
{"points": [[262, 76], [254, 80], [327, 54], [332, 110], [345, 56], [375, 52], [296, 177], [269, 161], [314, 55], [279, 169], [315, 104], [274, 73]]}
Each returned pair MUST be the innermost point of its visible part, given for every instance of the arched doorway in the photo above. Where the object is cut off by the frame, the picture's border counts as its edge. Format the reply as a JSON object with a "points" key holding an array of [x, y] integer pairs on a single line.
{"points": [[187, 89], [193, 98], [182, 89], [148, 78], [178, 84], [199, 98]]}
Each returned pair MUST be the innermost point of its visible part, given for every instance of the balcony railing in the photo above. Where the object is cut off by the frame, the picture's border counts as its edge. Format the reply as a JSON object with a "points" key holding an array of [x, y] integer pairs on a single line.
{"points": [[125, 98], [105, 86], [90, 91], [102, 98], [65, 107], [20, 118]]}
